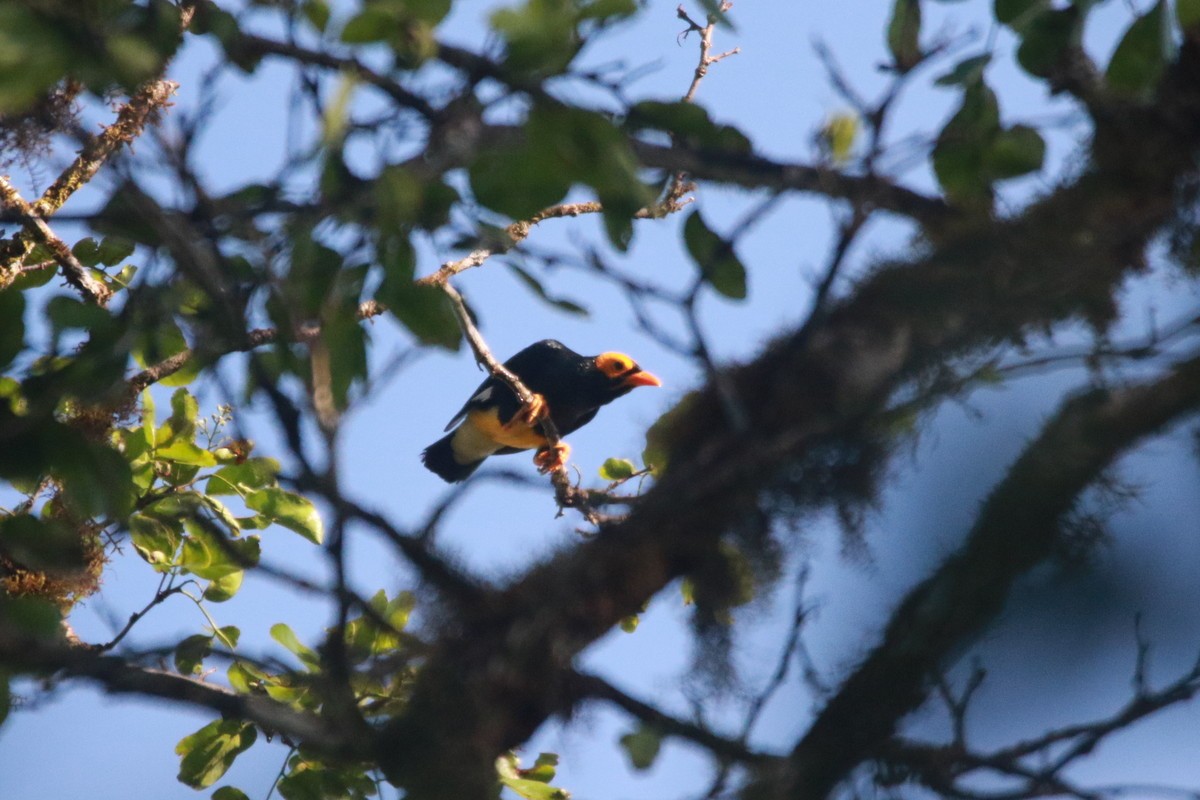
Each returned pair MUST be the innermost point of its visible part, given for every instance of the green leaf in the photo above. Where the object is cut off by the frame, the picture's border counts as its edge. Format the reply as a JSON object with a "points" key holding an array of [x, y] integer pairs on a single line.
{"points": [[87, 252], [290, 510], [241, 679], [608, 9], [33, 278], [208, 555], [616, 469], [538, 289], [96, 479], [191, 652], [251, 474], [531, 784], [1017, 13], [642, 747], [1187, 14], [540, 36], [1045, 38], [182, 422], [715, 257], [965, 72], [185, 452], [562, 146], [113, 250], [1141, 57], [903, 34], [209, 752], [12, 325], [689, 124], [66, 313], [154, 540], [230, 792], [222, 589], [958, 155], [1014, 152], [372, 24], [424, 310], [40, 544], [283, 634], [630, 624], [31, 616], [228, 635], [317, 13]]}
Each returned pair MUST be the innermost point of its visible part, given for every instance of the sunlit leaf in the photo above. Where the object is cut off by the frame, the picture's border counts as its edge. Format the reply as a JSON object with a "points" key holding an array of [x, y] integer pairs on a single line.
{"points": [[283, 634], [290, 510], [616, 469], [209, 752], [251, 474], [531, 784], [222, 589]]}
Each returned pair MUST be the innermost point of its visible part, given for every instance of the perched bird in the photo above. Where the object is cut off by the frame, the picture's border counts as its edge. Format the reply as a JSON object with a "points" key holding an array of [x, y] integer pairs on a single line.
{"points": [[567, 387]]}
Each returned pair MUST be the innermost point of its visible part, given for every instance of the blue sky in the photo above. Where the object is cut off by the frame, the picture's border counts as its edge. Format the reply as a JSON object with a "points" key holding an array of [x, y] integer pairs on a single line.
{"points": [[83, 744]]}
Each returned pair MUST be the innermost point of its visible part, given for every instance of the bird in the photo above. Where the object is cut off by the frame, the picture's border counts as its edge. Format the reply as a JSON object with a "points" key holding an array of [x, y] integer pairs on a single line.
{"points": [[567, 387]]}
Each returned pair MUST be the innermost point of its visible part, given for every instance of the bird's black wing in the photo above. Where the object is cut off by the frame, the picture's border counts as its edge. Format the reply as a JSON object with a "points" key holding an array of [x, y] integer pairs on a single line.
{"points": [[572, 425], [540, 366], [479, 399]]}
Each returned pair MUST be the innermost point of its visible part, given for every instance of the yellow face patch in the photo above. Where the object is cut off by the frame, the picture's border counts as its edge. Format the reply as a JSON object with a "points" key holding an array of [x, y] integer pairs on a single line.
{"points": [[614, 364], [516, 434]]}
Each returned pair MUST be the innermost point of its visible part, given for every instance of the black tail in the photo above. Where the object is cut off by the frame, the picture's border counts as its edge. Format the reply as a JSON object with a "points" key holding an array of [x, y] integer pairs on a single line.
{"points": [[439, 459]]}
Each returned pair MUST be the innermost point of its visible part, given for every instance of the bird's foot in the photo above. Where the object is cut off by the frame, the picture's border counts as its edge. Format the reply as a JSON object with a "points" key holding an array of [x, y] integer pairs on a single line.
{"points": [[551, 458], [532, 414]]}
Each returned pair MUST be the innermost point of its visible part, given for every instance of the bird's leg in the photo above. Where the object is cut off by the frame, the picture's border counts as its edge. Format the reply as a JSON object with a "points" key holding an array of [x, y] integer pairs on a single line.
{"points": [[552, 457], [532, 414]]}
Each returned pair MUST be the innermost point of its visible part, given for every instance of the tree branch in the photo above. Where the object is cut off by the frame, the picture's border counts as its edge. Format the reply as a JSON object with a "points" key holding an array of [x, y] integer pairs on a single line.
{"points": [[38, 231], [1016, 529], [117, 675]]}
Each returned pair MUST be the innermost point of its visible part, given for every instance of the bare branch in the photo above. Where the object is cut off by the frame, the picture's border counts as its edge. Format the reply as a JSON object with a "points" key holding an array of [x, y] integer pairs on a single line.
{"points": [[117, 675], [251, 44], [595, 687], [38, 231]]}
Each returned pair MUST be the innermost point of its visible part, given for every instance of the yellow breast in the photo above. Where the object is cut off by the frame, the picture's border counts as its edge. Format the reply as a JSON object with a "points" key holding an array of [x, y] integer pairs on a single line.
{"points": [[516, 434]]}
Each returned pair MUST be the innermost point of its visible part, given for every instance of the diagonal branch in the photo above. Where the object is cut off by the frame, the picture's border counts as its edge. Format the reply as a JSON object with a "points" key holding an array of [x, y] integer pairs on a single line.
{"points": [[596, 688], [38, 231], [116, 674], [1016, 529]]}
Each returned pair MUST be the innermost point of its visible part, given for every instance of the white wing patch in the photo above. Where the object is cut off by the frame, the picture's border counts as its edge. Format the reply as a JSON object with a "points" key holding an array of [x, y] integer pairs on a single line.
{"points": [[482, 395]]}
